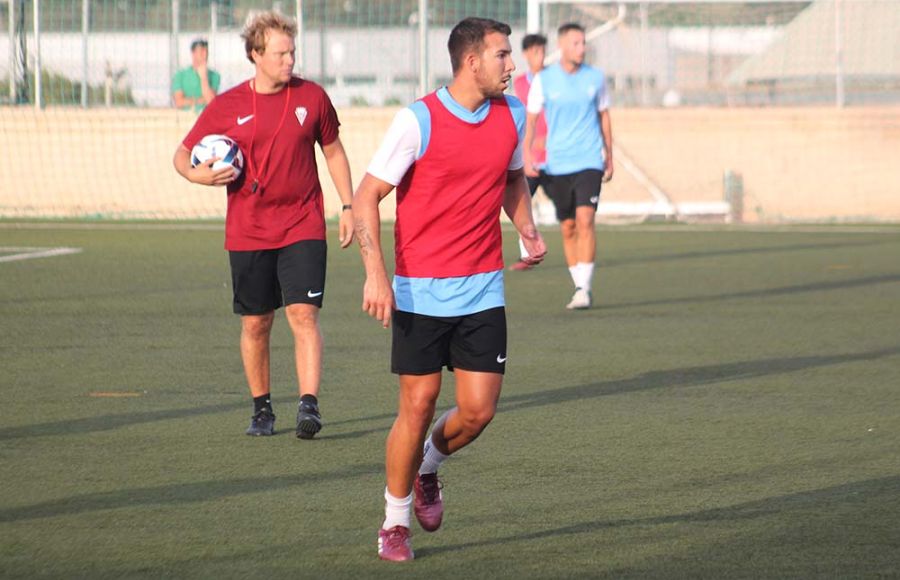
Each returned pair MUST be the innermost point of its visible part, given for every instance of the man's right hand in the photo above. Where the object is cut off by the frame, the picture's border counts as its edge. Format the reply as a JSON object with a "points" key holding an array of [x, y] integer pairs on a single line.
{"points": [[378, 298], [204, 174]]}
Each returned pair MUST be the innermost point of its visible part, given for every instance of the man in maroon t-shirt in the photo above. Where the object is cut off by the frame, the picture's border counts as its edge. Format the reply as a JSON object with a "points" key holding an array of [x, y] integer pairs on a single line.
{"points": [[275, 222]]}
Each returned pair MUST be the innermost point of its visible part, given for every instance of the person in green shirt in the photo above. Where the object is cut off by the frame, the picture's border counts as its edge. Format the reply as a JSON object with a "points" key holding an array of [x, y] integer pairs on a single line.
{"points": [[195, 86]]}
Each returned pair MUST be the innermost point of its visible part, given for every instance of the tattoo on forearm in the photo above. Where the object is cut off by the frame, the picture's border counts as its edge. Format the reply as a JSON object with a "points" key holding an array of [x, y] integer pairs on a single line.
{"points": [[365, 240]]}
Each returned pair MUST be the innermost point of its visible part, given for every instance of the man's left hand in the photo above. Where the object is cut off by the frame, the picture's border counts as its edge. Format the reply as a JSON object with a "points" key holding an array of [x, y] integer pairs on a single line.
{"points": [[534, 245], [608, 172], [345, 228]]}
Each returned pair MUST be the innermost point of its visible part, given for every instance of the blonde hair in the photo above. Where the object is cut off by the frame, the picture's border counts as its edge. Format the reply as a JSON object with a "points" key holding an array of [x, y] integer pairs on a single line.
{"points": [[254, 33]]}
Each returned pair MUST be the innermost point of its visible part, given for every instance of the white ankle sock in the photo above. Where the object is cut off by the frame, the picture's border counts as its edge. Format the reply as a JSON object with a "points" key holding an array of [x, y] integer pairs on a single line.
{"points": [[585, 274], [431, 459], [573, 271], [396, 510]]}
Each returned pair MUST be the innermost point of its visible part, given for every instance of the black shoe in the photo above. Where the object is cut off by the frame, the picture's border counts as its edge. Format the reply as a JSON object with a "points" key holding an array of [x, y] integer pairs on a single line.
{"points": [[309, 421], [262, 424]]}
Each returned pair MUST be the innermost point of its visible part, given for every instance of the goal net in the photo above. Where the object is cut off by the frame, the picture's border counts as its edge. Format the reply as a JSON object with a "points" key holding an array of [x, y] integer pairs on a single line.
{"points": [[714, 101]]}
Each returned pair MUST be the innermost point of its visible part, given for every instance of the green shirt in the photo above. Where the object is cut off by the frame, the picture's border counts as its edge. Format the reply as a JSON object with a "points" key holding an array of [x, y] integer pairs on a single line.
{"points": [[188, 82]]}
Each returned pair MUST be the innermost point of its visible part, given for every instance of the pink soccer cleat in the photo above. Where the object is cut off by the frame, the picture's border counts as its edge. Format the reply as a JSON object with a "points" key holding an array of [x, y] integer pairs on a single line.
{"points": [[394, 544], [429, 503]]}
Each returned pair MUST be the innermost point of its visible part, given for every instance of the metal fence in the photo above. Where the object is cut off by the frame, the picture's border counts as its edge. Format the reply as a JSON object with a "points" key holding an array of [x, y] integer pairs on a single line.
{"points": [[371, 52]]}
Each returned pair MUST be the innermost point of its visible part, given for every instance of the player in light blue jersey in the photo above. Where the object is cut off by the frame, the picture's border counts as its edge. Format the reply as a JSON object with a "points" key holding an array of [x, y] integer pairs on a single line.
{"points": [[574, 100]]}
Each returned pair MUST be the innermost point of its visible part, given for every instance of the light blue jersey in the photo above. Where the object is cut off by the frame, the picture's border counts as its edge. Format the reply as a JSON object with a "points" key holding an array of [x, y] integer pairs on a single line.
{"points": [[462, 295], [457, 296], [571, 103]]}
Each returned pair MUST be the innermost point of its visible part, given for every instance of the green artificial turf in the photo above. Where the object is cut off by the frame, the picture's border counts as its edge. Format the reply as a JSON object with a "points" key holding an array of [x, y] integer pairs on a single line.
{"points": [[729, 409]]}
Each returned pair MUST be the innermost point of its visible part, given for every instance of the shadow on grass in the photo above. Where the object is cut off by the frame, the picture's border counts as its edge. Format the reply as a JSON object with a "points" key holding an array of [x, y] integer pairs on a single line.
{"points": [[762, 293], [180, 493], [384, 429], [740, 252], [687, 377], [828, 500], [654, 380], [666, 379], [113, 421], [119, 420]]}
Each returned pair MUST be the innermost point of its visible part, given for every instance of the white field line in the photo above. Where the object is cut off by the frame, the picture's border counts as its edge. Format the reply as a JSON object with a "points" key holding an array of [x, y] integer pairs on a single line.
{"points": [[785, 228], [34, 253], [117, 226]]}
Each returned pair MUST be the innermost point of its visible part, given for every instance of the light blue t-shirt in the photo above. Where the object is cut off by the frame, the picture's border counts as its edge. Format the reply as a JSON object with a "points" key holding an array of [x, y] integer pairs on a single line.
{"points": [[461, 295], [571, 104]]}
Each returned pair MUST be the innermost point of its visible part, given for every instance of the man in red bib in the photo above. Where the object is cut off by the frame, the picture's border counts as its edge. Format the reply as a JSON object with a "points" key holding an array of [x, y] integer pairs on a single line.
{"points": [[533, 49], [275, 222], [455, 157]]}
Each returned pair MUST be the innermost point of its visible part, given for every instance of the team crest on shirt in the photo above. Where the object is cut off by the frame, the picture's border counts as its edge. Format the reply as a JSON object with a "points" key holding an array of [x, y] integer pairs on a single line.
{"points": [[301, 114]]}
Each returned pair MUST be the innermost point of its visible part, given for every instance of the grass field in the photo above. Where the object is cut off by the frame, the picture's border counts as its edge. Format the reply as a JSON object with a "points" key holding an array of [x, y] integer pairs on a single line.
{"points": [[731, 409]]}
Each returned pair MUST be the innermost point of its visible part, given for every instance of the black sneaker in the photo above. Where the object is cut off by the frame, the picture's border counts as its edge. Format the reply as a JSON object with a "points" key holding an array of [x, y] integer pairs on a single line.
{"points": [[262, 424], [309, 421]]}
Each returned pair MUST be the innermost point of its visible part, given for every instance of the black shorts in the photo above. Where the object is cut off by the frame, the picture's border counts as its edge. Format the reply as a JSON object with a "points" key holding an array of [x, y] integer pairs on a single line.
{"points": [[574, 190], [265, 280], [535, 182], [423, 345]]}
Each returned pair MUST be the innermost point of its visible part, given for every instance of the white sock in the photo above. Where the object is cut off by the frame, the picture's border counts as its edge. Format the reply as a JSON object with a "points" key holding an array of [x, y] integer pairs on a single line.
{"points": [[431, 459], [573, 271], [396, 510], [585, 275], [523, 253]]}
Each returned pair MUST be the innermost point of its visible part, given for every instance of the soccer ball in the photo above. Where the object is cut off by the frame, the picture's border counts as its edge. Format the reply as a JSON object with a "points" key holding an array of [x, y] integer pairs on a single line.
{"points": [[220, 146]]}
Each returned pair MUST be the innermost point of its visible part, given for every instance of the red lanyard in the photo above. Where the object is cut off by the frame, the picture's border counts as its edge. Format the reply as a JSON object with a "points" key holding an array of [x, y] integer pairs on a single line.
{"points": [[258, 175]]}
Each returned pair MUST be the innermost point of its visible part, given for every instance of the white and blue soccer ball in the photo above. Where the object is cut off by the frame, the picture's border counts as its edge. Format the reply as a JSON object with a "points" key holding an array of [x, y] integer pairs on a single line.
{"points": [[220, 146]]}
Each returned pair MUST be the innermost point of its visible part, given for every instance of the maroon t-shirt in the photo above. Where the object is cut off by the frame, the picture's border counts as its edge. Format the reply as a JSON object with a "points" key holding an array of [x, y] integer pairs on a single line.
{"points": [[287, 206]]}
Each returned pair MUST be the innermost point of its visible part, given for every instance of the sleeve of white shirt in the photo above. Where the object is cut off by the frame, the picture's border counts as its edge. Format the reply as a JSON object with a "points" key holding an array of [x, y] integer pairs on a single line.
{"points": [[398, 150], [602, 98], [536, 95]]}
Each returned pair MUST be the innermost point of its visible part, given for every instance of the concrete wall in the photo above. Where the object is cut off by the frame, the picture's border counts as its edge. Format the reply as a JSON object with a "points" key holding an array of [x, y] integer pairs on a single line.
{"points": [[797, 164]]}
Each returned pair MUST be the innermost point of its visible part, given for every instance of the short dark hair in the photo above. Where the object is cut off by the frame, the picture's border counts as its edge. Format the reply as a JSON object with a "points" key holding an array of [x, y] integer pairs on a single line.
{"points": [[199, 42], [568, 26], [468, 35], [533, 40]]}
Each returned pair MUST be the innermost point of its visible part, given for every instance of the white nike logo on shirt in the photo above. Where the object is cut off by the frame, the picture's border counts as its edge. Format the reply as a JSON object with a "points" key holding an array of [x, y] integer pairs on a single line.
{"points": [[501, 359], [312, 294], [242, 120]]}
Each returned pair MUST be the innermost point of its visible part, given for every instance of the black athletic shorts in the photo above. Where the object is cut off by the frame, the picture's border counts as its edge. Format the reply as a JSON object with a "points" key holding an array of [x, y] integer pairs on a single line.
{"points": [[265, 280], [535, 182], [574, 190], [423, 345]]}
